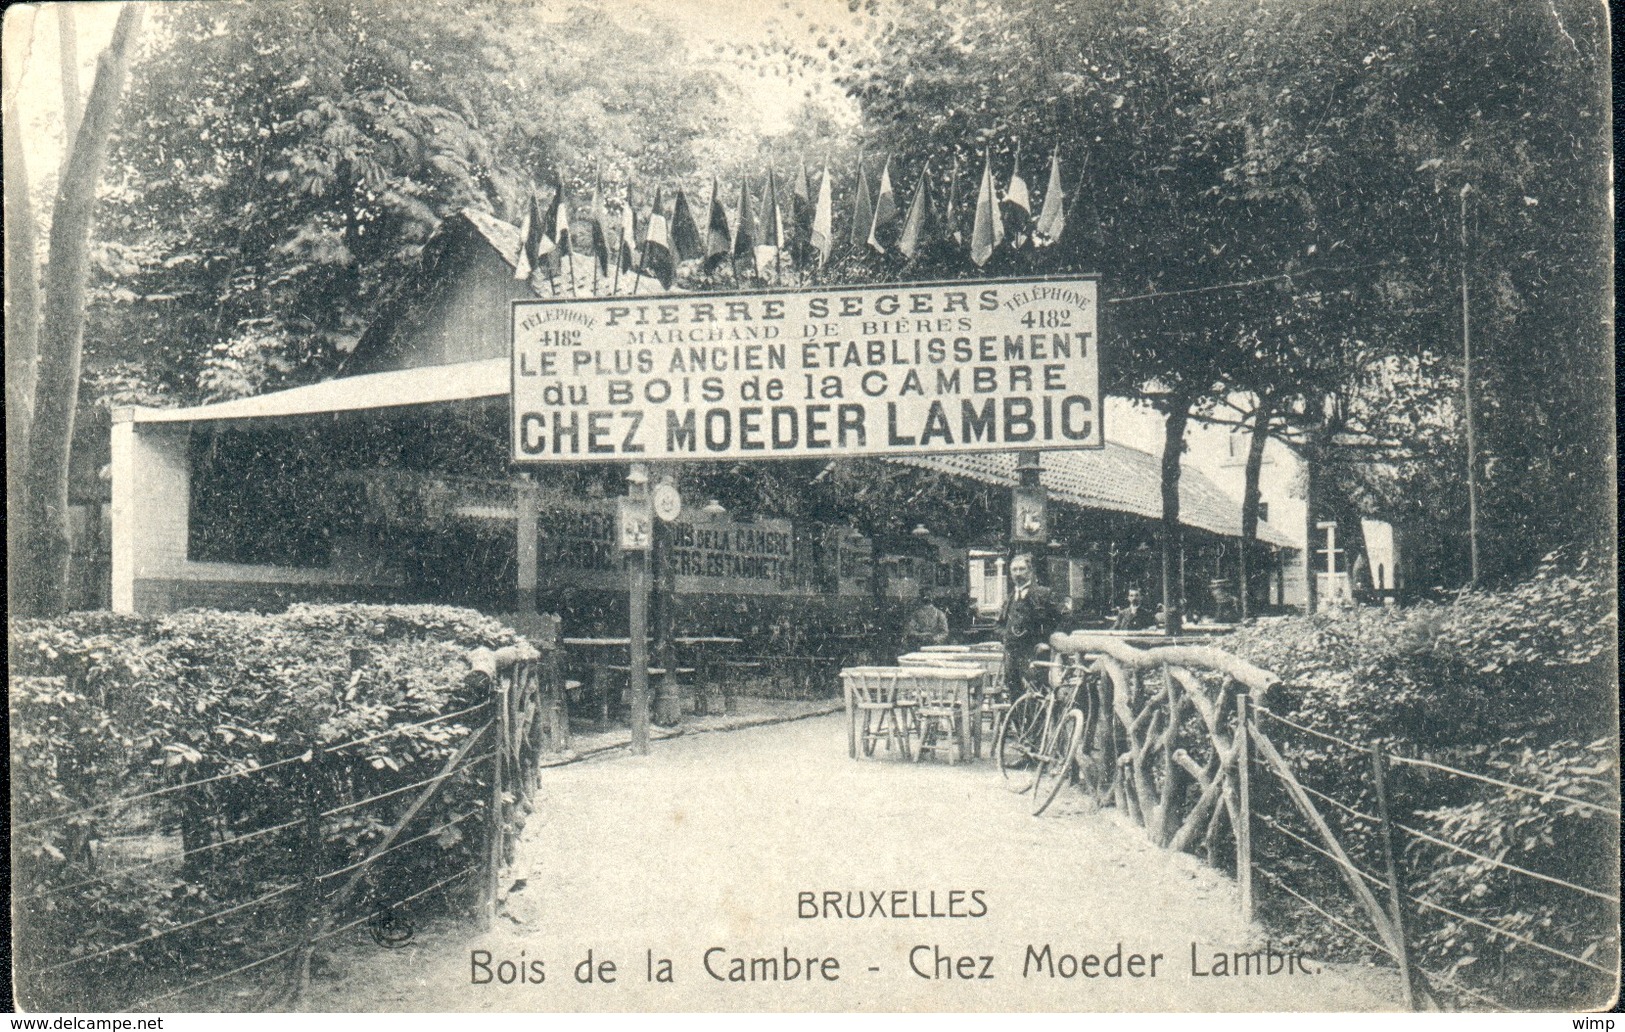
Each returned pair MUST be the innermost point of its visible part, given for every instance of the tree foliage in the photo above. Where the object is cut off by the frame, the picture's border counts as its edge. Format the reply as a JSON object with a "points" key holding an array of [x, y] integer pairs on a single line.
{"points": [[282, 166], [1283, 180]]}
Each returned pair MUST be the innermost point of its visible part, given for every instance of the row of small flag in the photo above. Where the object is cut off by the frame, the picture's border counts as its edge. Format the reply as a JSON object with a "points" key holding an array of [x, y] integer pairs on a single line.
{"points": [[656, 243]]}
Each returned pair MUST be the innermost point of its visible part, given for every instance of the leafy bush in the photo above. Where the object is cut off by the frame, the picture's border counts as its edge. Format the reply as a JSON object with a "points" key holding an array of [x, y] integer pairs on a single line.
{"points": [[1504, 684], [107, 710]]}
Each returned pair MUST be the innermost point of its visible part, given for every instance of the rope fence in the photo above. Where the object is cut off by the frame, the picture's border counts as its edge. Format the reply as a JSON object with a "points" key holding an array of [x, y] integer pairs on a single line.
{"points": [[309, 860], [1374, 835]]}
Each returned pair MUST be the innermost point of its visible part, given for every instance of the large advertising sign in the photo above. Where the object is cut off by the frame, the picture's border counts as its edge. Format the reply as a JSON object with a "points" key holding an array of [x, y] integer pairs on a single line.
{"points": [[903, 369]]}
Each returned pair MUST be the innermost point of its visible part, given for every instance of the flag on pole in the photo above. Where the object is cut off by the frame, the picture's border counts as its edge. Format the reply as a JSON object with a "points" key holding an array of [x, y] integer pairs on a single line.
{"points": [[801, 213], [822, 236], [598, 224], [744, 242], [686, 242], [987, 231], [916, 228], [718, 235], [1052, 218], [952, 235], [657, 254], [863, 209], [530, 231], [772, 216], [627, 258], [883, 226], [1018, 206], [555, 239], [770, 220]]}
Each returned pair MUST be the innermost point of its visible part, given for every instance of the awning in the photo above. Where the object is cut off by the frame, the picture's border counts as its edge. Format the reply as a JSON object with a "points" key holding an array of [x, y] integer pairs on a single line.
{"points": [[428, 385], [1117, 478]]}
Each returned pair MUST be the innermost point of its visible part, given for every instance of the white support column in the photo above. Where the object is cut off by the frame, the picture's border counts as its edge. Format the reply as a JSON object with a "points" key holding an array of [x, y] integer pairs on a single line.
{"points": [[122, 544]]}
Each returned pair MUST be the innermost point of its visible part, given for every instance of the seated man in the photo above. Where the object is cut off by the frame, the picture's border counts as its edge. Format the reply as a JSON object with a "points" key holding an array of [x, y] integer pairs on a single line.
{"points": [[925, 625], [1135, 616], [1225, 607]]}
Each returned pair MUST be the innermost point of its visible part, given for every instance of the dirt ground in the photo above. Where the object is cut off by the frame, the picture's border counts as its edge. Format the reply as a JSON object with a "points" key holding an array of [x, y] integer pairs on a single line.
{"points": [[704, 849]]}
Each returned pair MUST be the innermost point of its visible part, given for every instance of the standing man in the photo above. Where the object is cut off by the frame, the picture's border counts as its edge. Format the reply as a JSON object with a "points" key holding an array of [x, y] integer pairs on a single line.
{"points": [[1030, 615]]}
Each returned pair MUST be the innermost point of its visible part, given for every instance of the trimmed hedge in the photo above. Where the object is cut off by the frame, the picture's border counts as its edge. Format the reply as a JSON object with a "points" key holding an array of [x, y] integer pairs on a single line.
{"points": [[108, 707]]}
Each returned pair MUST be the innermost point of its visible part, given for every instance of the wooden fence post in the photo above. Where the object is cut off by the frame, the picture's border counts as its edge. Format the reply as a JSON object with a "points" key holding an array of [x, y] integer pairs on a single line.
{"points": [[310, 860], [494, 819], [1244, 804], [1396, 887]]}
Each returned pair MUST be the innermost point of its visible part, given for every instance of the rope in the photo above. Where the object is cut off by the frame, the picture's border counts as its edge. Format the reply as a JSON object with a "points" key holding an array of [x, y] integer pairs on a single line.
{"points": [[1346, 808], [163, 860], [213, 978], [1278, 883], [400, 902], [405, 727], [1344, 742], [294, 948], [1475, 994], [1373, 879], [1537, 793], [166, 790], [398, 845], [405, 788], [154, 937], [156, 792], [1510, 867], [1510, 935]]}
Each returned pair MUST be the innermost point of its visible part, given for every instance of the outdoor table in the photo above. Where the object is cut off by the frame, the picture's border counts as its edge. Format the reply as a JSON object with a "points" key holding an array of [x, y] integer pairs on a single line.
{"points": [[984, 664], [707, 650], [601, 653]]}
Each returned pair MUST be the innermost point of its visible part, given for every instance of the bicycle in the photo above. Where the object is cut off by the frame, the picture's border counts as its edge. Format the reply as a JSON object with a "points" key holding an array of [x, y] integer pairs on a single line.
{"points": [[1045, 729]]}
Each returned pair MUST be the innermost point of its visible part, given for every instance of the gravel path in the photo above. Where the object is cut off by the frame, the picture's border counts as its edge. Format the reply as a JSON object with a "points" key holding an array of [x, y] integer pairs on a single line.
{"points": [[710, 840]]}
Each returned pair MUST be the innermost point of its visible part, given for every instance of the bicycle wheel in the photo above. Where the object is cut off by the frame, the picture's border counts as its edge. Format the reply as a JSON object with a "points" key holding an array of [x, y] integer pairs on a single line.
{"points": [[1016, 744], [1055, 765]]}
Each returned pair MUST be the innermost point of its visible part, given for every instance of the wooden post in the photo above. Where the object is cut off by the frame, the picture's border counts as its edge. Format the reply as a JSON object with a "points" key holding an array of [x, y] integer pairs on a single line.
{"points": [[1396, 888], [1467, 397], [311, 846], [495, 822], [668, 709], [1244, 808], [637, 565]]}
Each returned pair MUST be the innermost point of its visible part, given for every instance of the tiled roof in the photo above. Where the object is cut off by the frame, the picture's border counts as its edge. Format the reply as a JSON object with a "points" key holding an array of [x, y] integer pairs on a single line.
{"points": [[1117, 478]]}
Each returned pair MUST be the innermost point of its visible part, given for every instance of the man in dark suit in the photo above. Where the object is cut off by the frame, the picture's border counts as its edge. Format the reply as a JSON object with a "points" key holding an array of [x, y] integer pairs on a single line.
{"points": [[1030, 614], [1134, 616]]}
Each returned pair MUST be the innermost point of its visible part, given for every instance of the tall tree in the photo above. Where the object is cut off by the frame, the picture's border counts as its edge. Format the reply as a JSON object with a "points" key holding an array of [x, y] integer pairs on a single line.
{"points": [[22, 288], [44, 579]]}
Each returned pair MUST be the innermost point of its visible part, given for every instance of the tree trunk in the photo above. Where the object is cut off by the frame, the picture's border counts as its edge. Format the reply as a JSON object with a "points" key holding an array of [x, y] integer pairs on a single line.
{"points": [[44, 579], [67, 34], [22, 312], [1249, 497], [1176, 416]]}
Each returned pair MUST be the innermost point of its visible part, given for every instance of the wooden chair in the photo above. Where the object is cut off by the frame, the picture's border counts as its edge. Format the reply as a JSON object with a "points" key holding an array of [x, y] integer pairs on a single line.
{"points": [[879, 712], [937, 714], [994, 700]]}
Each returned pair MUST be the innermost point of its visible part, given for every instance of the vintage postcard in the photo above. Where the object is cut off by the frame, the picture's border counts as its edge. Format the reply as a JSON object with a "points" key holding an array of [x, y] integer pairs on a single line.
{"points": [[811, 506]]}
